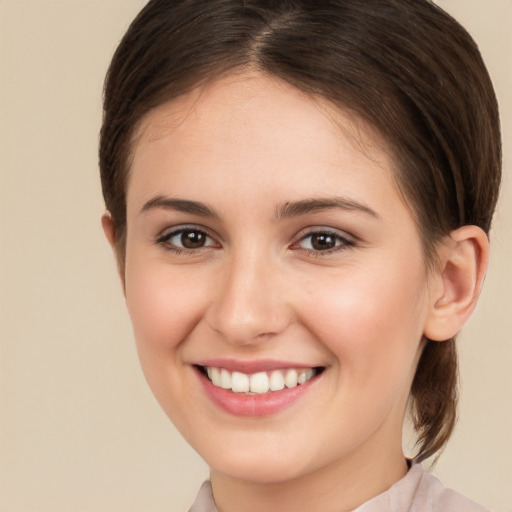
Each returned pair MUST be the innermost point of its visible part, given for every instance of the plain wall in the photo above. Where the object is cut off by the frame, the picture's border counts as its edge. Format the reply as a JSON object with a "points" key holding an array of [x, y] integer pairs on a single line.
{"points": [[79, 430]]}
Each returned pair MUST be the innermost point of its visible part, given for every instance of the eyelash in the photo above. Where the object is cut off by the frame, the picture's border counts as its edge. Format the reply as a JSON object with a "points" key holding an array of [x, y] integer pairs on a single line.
{"points": [[342, 243], [165, 240]]}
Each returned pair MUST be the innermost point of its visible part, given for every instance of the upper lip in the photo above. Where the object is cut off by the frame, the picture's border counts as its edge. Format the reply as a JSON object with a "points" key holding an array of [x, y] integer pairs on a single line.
{"points": [[254, 366]]}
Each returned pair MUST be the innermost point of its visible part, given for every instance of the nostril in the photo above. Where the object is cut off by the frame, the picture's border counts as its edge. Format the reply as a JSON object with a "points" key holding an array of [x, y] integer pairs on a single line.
{"points": [[265, 335]]}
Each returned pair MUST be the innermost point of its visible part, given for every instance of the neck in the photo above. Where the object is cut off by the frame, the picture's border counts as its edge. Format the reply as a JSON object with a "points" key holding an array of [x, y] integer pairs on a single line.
{"points": [[339, 487]]}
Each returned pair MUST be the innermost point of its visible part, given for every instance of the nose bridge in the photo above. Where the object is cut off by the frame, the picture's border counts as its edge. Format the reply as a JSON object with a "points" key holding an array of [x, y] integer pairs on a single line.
{"points": [[250, 305]]}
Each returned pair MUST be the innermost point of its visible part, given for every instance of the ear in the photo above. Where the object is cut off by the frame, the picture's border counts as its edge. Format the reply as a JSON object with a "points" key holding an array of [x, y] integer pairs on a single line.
{"points": [[110, 234], [457, 282], [108, 228]]}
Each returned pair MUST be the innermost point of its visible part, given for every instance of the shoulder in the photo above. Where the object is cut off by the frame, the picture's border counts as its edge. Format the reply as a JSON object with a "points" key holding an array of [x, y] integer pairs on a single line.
{"points": [[204, 500], [433, 496], [419, 491]]}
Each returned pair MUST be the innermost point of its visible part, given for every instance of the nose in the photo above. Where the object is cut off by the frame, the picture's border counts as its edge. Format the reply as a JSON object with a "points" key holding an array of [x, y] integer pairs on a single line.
{"points": [[250, 304]]}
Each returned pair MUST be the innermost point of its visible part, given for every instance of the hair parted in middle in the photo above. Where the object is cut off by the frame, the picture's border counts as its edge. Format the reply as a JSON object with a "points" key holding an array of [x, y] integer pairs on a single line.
{"points": [[405, 67]]}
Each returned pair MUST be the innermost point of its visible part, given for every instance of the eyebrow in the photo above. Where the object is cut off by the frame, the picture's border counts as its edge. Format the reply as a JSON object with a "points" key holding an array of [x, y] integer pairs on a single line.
{"points": [[297, 208], [180, 205], [287, 210]]}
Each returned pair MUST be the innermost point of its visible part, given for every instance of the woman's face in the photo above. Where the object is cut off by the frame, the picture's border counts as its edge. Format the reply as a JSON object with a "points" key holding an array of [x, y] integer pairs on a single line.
{"points": [[267, 246]]}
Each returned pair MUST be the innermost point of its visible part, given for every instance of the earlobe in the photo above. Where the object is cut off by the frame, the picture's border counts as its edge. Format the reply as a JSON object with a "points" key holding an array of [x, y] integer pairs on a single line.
{"points": [[110, 234], [108, 228], [457, 282]]}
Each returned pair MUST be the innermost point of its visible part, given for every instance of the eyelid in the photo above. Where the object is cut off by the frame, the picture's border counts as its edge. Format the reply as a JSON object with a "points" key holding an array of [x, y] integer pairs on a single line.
{"points": [[344, 240], [170, 232], [347, 241]]}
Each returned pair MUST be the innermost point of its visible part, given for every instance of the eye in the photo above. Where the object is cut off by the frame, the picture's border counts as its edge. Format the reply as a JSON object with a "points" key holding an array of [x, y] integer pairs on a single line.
{"points": [[323, 241], [188, 238]]}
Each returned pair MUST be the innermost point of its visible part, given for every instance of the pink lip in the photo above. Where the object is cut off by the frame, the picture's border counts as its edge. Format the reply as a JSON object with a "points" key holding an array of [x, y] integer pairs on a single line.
{"points": [[250, 367], [243, 405]]}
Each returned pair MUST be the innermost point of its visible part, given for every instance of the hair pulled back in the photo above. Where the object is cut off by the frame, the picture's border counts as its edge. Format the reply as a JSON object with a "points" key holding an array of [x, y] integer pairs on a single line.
{"points": [[406, 67]]}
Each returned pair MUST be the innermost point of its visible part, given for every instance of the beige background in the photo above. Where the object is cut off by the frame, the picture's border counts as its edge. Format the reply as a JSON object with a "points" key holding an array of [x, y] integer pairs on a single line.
{"points": [[79, 431]]}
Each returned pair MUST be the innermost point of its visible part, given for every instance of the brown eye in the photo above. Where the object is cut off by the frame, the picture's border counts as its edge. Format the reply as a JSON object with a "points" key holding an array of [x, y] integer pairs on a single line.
{"points": [[323, 241], [186, 238], [193, 239]]}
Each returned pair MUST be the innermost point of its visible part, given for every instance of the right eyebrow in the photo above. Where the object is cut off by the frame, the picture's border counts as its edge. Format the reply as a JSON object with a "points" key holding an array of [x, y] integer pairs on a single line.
{"points": [[307, 206], [179, 205]]}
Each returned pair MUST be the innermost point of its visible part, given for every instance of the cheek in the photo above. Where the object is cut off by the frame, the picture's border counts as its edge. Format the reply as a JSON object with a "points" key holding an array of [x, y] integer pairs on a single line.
{"points": [[370, 318], [164, 306]]}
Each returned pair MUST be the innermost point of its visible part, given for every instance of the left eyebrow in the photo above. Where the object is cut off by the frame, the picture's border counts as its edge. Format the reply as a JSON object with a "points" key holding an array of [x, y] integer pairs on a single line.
{"points": [[305, 206], [180, 205]]}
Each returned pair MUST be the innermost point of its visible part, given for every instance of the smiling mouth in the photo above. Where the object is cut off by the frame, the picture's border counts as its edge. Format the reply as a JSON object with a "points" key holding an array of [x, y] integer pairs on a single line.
{"points": [[259, 383]]}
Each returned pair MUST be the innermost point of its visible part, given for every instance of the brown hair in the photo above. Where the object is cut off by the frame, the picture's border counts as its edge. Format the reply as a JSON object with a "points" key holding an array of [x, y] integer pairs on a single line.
{"points": [[404, 66]]}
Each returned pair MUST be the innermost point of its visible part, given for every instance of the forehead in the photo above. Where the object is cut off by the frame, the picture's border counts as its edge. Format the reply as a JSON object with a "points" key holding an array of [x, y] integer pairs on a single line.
{"points": [[256, 99], [245, 132]]}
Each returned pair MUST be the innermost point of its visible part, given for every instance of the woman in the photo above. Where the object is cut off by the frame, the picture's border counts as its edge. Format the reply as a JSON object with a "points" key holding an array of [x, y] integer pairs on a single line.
{"points": [[299, 196]]}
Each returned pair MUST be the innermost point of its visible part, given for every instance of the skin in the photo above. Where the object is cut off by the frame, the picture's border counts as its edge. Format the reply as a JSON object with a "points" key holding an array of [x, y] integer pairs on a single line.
{"points": [[244, 146]]}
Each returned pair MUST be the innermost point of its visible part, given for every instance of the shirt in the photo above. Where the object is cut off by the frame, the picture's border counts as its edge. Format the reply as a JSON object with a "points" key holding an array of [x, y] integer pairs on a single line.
{"points": [[418, 491]]}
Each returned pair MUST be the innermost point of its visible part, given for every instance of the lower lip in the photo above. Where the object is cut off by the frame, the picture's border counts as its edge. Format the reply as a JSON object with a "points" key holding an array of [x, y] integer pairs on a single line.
{"points": [[265, 404]]}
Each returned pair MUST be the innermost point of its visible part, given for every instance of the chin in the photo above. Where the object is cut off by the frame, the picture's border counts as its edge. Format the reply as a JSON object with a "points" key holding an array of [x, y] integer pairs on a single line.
{"points": [[267, 472], [258, 466]]}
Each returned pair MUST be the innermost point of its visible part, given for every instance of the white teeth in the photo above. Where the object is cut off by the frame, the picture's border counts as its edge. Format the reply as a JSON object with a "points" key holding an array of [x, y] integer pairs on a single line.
{"points": [[225, 379], [276, 381], [239, 382], [258, 383], [291, 378], [214, 374]]}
